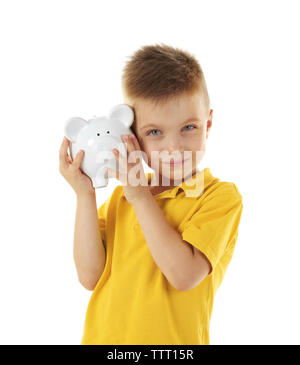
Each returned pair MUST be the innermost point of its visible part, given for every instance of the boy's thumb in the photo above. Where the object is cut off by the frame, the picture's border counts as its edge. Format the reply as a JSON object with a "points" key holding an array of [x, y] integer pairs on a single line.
{"points": [[78, 158]]}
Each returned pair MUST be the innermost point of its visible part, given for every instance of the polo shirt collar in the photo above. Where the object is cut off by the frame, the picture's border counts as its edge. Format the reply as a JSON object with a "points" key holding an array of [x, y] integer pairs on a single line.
{"points": [[202, 178]]}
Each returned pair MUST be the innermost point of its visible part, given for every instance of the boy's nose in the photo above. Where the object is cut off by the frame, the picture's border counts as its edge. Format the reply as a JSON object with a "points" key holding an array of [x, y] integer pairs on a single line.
{"points": [[173, 154], [171, 147], [174, 149]]}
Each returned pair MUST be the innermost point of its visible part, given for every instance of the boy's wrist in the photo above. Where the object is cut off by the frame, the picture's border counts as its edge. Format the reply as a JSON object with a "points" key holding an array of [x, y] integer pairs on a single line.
{"points": [[86, 195]]}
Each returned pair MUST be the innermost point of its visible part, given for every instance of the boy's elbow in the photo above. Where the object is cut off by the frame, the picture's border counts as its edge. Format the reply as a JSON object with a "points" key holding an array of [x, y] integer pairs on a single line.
{"points": [[179, 285], [190, 282], [88, 287], [183, 286], [186, 287], [196, 272], [88, 283]]}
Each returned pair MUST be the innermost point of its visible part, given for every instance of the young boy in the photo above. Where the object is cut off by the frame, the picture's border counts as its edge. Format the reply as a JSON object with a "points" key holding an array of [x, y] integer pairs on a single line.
{"points": [[155, 255]]}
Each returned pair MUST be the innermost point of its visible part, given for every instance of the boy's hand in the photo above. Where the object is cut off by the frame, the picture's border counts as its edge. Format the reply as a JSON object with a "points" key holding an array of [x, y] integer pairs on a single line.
{"points": [[71, 171], [132, 193]]}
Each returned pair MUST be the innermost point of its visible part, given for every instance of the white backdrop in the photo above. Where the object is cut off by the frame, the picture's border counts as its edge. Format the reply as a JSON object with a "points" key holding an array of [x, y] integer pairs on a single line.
{"points": [[64, 58]]}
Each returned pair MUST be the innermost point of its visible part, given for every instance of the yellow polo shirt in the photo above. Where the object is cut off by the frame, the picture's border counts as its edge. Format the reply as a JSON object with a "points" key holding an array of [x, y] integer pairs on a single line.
{"points": [[133, 303]]}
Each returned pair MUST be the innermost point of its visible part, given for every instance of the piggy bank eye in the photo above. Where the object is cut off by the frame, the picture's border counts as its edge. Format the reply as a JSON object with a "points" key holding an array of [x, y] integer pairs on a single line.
{"points": [[107, 131], [98, 134]]}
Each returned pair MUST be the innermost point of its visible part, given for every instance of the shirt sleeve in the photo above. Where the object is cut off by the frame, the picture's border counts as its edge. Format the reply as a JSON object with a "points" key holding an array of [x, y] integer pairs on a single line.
{"points": [[102, 222], [214, 226], [102, 219], [106, 212]]}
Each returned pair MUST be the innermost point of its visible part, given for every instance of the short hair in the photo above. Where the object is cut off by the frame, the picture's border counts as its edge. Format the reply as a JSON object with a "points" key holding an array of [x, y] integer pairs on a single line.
{"points": [[161, 72]]}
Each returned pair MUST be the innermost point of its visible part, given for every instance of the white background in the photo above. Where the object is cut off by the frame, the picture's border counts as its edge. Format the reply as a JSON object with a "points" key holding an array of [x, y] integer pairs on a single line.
{"points": [[64, 58]]}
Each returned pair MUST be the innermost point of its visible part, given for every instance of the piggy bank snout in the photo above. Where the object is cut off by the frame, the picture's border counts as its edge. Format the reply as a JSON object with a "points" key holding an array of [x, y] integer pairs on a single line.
{"points": [[105, 145], [108, 143], [104, 156]]}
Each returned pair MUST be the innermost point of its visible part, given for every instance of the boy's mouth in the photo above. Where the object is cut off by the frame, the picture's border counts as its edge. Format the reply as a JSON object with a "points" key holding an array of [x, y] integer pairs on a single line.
{"points": [[175, 163]]}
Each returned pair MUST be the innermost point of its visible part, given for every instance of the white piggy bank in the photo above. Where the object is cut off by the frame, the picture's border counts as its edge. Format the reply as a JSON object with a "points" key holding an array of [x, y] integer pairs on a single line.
{"points": [[97, 137]]}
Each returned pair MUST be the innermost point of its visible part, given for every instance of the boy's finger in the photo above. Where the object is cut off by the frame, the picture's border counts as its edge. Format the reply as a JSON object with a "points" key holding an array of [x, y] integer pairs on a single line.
{"points": [[78, 158], [135, 142], [134, 149], [63, 151], [129, 144], [120, 158], [116, 174]]}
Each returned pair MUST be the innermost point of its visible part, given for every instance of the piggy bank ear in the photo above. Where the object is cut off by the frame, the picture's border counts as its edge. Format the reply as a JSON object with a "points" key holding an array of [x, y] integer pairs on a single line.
{"points": [[73, 126], [124, 113]]}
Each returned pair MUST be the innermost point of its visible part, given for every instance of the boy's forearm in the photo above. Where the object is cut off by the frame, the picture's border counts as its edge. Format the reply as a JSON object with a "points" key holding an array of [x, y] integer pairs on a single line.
{"points": [[89, 252], [172, 255]]}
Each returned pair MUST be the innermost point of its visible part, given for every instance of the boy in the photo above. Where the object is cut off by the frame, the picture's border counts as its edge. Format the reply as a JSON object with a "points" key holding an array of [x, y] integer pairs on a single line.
{"points": [[155, 255]]}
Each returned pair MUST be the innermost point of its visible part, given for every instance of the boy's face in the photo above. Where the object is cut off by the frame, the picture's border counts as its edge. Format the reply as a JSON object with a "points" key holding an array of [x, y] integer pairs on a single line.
{"points": [[173, 132]]}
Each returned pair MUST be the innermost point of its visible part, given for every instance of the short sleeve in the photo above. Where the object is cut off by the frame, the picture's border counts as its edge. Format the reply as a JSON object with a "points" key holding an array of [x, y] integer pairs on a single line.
{"points": [[102, 219], [102, 222], [214, 226]]}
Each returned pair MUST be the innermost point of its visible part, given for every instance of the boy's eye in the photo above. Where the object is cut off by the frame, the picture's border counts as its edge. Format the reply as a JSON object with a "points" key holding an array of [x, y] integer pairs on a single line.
{"points": [[189, 125], [152, 131]]}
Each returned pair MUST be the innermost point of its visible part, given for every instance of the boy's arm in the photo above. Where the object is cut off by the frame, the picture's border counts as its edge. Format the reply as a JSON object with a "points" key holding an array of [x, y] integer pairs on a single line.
{"points": [[183, 265], [89, 252]]}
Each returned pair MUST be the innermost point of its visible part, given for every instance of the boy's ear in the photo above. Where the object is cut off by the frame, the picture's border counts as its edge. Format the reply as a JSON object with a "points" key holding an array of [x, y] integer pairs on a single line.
{"points": [[73, 126], [208, 127], [124, 113]]}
